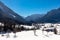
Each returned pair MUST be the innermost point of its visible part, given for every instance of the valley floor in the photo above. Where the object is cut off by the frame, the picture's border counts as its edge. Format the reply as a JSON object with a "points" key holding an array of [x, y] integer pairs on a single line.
{"points": [[29, 35]]}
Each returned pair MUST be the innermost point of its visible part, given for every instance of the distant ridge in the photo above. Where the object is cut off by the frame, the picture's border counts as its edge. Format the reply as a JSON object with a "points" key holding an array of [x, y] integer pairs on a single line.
{"points": [[52, 16], [34, 18]]}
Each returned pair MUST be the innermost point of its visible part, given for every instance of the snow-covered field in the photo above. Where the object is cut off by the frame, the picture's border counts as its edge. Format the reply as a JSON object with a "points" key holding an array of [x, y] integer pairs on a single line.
{"points": [[29, 35]]}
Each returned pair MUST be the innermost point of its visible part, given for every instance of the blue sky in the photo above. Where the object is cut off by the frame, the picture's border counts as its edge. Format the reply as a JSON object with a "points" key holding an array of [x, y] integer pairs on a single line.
{"points": [[28, 7]]}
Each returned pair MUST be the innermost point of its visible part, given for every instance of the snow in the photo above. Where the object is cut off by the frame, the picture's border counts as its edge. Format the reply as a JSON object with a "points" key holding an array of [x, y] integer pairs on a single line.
{"points": [[26, 26], [29, 35]]}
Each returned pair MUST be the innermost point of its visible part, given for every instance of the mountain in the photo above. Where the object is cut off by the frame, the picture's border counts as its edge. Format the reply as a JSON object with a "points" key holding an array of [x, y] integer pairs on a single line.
{"points": [[52, 16], [7, 14], [33, 18]]}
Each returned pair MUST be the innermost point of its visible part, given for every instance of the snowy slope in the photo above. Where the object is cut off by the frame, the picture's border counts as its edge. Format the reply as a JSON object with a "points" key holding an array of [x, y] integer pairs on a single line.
{"points": [[29, 35]]}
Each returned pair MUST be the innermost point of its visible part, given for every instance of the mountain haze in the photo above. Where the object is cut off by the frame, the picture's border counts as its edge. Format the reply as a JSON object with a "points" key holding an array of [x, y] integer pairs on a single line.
{"points": [[34, 18]]}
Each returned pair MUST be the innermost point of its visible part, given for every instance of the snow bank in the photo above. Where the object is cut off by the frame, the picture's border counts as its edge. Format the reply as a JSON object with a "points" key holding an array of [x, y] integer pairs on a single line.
{"points": [[29, 35], [26, 26]]}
